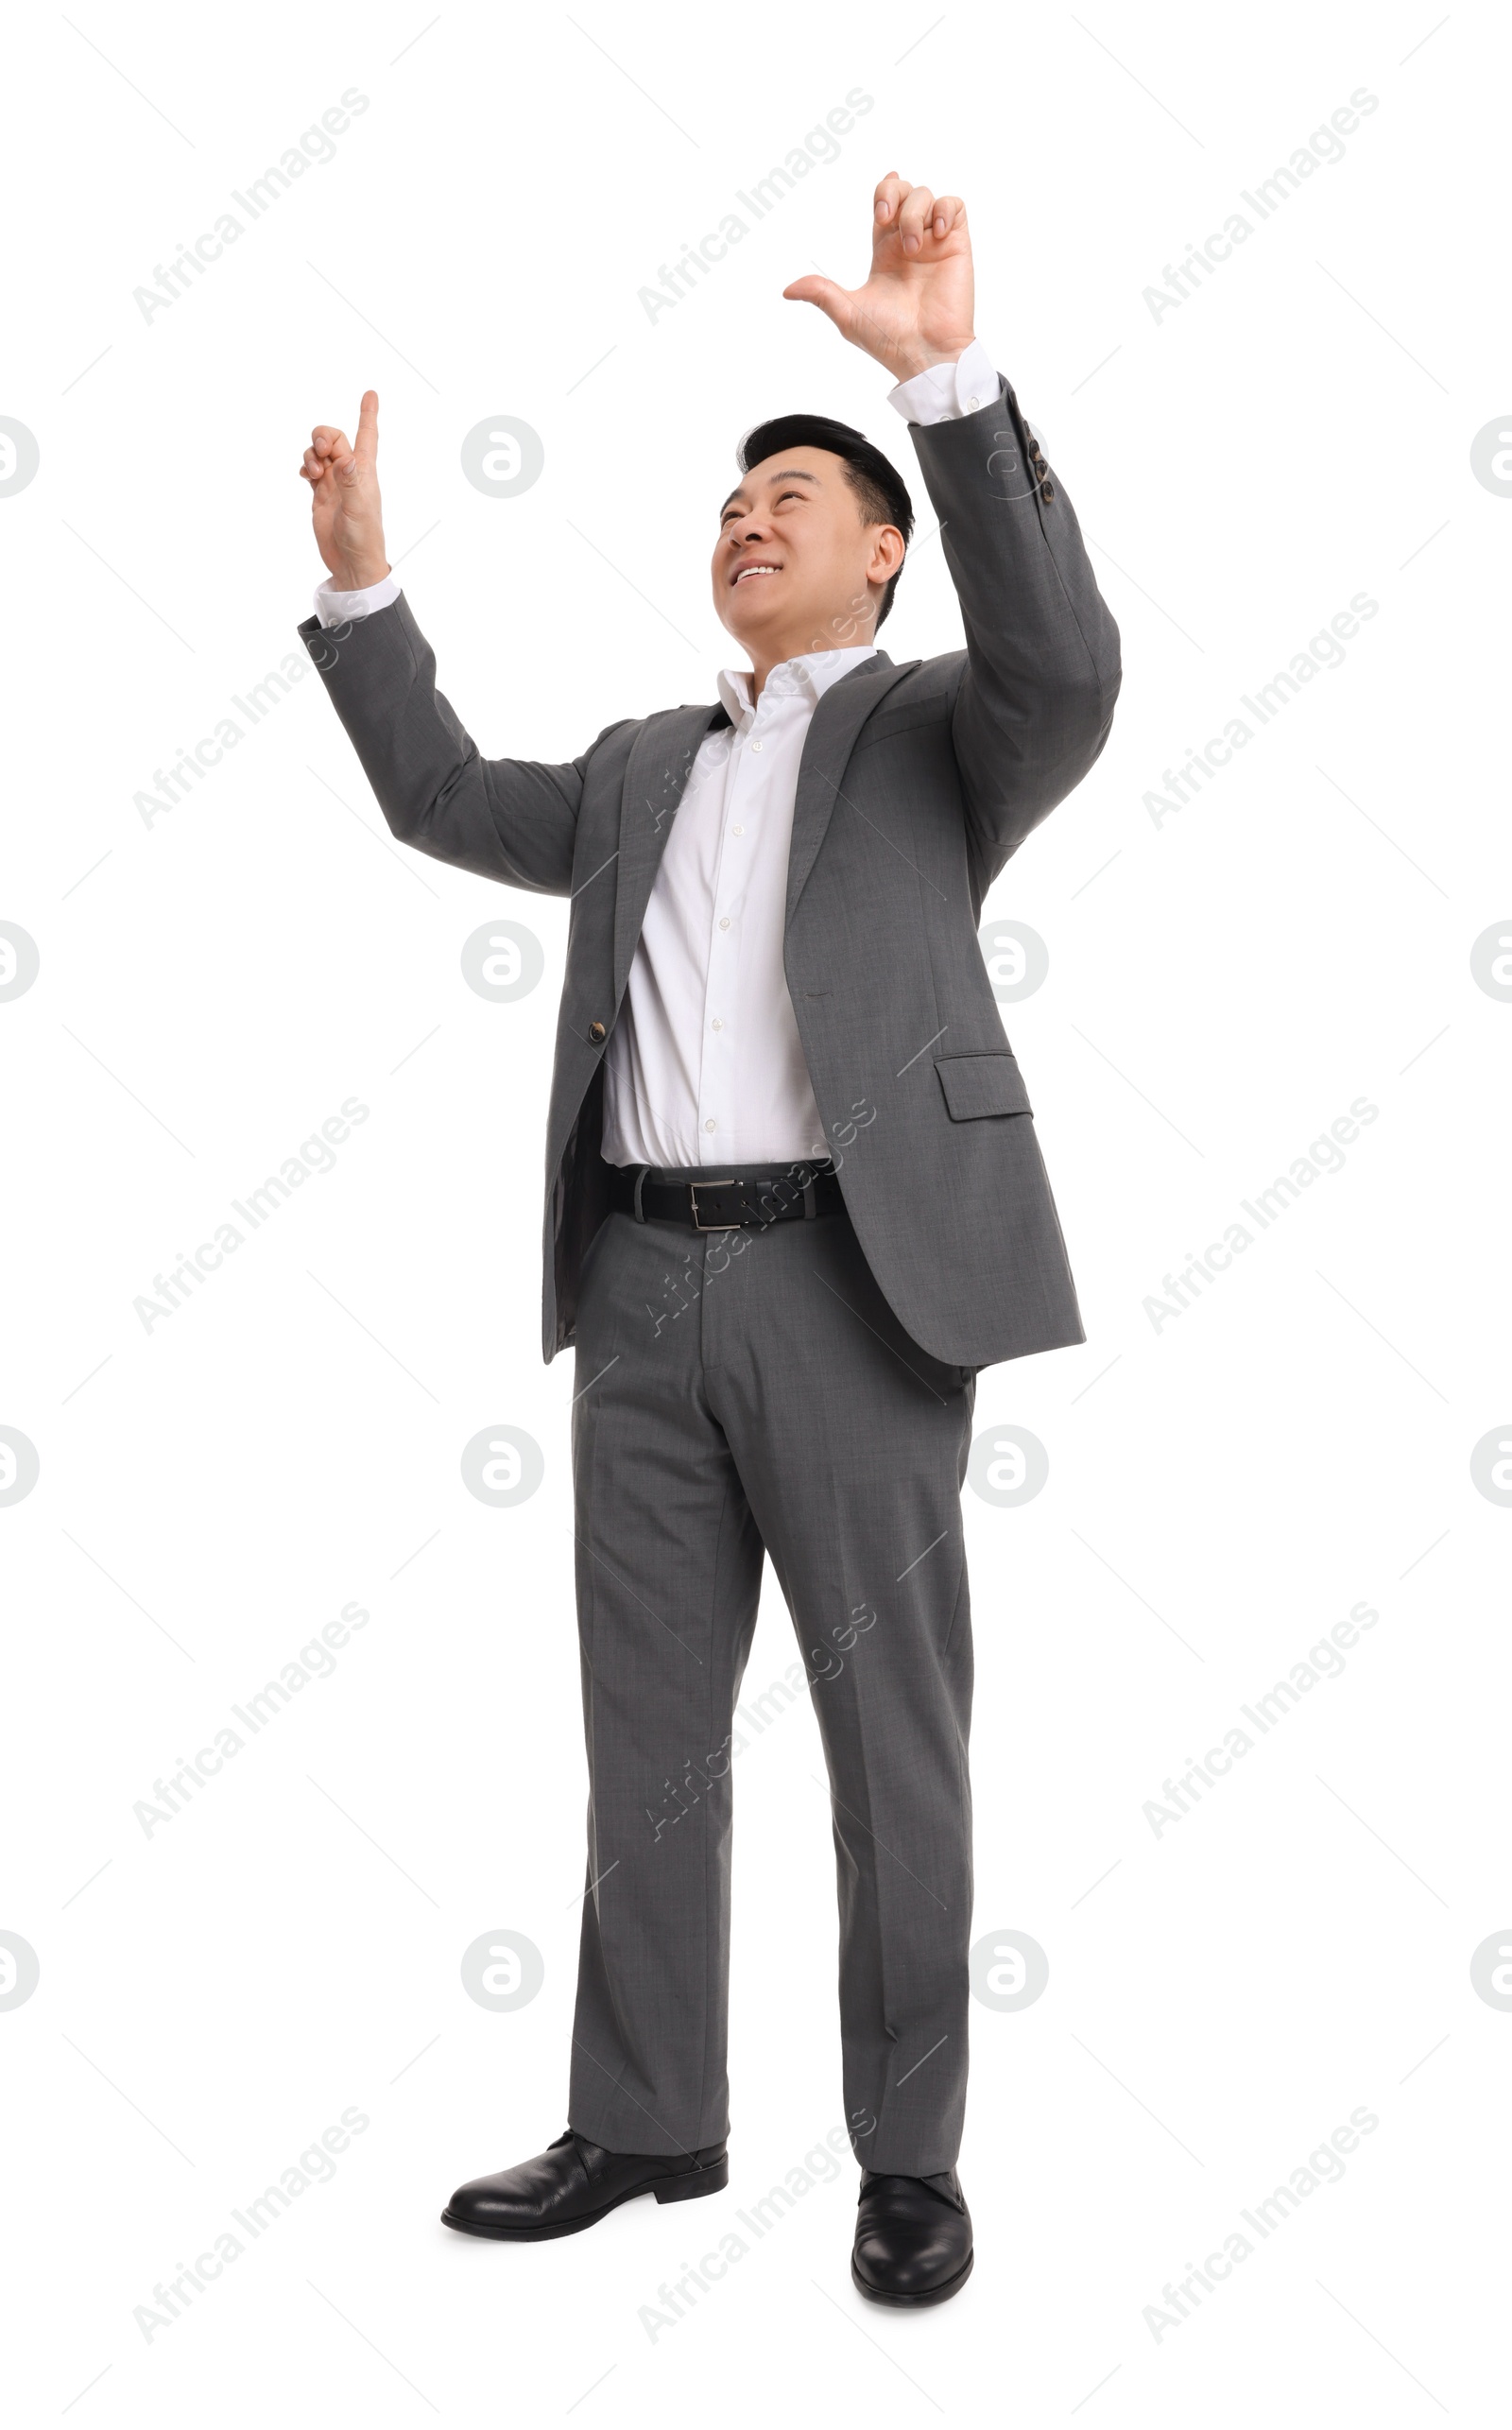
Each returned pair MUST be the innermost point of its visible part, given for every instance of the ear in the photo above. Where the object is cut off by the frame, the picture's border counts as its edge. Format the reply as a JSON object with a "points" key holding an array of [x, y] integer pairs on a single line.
{"points": [[888, 554]]}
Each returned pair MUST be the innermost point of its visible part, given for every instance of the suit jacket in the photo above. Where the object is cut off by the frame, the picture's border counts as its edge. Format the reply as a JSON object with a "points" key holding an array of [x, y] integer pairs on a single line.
{"points": [[917, 782]]}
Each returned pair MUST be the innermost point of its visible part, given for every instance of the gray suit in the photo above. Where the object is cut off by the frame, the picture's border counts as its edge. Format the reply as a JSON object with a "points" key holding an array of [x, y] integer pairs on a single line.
{"points": [[918, 783], [804, 1391]]}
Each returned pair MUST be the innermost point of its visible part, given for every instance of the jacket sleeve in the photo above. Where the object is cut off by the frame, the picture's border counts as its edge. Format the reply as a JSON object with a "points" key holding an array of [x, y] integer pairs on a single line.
{"points": [[1042, 671], [512, 820]]}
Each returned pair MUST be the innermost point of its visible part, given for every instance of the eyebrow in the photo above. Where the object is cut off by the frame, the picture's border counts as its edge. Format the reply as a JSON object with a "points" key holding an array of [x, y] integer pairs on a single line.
{"points": [[794, 475]]}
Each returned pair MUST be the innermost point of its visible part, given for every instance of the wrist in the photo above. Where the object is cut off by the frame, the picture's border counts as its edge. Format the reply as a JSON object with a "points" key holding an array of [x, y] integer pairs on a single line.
{"points": [[906, 363], [359, 574]]}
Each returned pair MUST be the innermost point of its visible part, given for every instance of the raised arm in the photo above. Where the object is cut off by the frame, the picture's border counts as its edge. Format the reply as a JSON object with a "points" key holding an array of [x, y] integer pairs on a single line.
{"points": [[1042, 668], [511, 819], [1042, 671]]}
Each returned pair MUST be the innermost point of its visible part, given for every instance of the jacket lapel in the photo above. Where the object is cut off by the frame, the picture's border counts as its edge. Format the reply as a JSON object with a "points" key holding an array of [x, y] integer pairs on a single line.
{"points": [[826, 746], [655, 776]]}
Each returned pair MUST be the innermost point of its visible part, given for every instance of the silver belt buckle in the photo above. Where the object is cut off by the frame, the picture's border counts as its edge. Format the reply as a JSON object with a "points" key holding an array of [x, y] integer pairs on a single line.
{"points": [[694, 1188]]}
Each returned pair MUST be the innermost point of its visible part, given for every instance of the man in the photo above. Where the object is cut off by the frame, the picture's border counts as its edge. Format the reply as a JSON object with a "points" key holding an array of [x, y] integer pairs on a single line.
{"points": [[793, 1204]]}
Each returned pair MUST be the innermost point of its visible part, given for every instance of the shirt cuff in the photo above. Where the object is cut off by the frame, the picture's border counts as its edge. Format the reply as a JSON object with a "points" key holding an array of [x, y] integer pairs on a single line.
{"points": [[948, 391], [335, 606]]}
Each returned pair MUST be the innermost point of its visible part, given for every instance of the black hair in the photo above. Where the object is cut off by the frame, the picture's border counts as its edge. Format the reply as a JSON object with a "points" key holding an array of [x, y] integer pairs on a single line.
{"points": [[878, 484]]}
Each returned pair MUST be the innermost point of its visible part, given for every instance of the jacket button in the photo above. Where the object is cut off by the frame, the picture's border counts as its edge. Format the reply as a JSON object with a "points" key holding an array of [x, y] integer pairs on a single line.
{"points": [[1047, 489], [596, 1031]]}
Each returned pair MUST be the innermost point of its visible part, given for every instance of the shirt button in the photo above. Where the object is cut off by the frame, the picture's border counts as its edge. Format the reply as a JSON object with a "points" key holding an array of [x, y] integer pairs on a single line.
{"points": [[755, 747], [710, 1124], [970, 405], [719, 1025], [724, 924], [737, 831]]}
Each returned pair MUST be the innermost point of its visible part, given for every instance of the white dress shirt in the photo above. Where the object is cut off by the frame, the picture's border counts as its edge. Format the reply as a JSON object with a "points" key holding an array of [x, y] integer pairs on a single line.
{"points": [[704, 1065]]}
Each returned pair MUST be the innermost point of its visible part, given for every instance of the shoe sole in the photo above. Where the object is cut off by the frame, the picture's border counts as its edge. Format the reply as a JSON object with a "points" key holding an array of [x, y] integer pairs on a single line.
{"points": [[930, 2294], [686, 2188]]}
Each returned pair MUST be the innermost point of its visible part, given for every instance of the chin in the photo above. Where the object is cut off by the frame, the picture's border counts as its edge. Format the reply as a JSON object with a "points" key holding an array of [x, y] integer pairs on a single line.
{"points": [[756, 613], [746, 628]]}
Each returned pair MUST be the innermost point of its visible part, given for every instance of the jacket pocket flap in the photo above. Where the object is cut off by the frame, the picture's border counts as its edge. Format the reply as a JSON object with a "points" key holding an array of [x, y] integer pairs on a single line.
{"points": [[981, 1084]]}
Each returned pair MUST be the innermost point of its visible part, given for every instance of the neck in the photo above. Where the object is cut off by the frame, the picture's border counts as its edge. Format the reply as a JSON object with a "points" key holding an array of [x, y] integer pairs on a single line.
{"points": [[764, 656]]}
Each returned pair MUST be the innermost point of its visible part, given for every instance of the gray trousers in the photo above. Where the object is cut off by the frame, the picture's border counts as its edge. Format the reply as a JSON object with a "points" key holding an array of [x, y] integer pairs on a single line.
{"points": [[741, 1391]]}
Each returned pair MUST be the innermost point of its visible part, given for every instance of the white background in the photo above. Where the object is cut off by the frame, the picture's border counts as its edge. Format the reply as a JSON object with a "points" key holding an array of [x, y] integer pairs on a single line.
{"points": [[1221, 1491]]}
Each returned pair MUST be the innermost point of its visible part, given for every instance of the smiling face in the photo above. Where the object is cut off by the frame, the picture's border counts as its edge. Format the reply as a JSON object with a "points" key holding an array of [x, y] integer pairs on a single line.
{"points": [[796, 567]]}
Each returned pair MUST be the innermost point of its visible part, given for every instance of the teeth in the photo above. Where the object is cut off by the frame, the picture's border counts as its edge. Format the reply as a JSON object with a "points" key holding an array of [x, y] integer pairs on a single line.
{"points": [[755, 569]]}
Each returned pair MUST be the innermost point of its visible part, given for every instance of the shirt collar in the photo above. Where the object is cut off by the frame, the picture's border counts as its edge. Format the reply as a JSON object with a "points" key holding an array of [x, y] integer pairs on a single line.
{"points": [[811, 675]]}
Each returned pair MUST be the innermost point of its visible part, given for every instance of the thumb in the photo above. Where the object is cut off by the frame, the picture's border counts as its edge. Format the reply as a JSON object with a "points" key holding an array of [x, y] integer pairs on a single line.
{"points": [[833, 301]]}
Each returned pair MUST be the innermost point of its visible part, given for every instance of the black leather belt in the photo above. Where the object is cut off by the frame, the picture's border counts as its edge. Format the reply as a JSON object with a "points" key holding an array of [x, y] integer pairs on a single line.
{"points": [[727, 1202]]}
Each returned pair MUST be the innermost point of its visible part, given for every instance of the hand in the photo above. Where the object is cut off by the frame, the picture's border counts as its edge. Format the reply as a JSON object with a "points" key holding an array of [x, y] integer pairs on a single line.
{"points": [[916, 307], [344, 501]]}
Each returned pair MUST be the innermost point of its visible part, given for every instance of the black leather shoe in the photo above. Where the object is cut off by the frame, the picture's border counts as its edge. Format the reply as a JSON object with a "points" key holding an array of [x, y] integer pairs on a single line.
{"points": [[574, 2183], [913, 2239]]}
